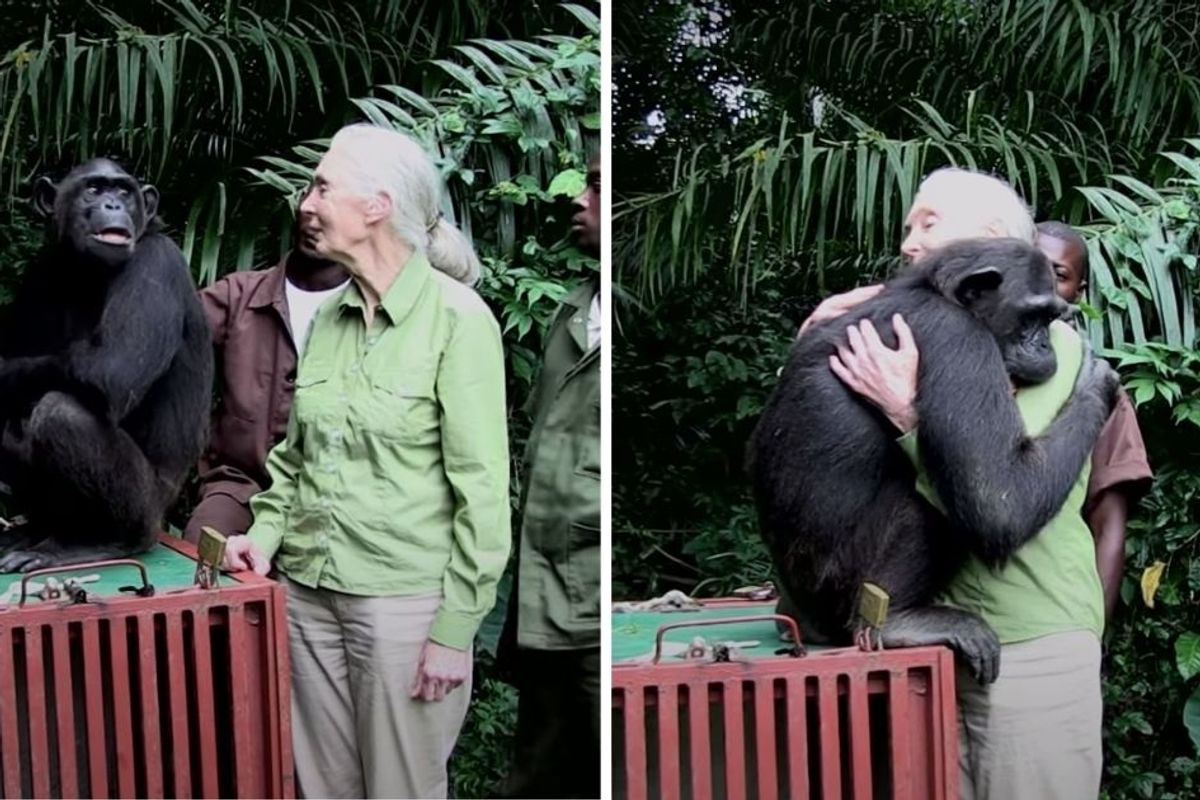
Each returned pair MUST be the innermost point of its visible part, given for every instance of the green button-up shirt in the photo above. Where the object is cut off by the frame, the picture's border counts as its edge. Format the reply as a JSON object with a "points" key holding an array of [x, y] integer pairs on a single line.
{"points": [[393, 477], [558, 575]]}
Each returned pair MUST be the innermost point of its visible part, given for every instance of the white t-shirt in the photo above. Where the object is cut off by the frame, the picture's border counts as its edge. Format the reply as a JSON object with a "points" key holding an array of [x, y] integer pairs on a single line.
{"points": [[302, 307], [594, 321]]}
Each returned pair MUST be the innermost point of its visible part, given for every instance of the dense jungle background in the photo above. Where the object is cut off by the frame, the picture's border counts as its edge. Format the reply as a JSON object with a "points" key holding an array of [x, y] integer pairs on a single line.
{"points": [[764, 156], [226, 106]]}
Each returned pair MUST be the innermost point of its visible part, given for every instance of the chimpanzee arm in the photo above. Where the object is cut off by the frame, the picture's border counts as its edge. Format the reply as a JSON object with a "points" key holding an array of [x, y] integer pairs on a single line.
{"points": [[140, 332], [998, 484]]}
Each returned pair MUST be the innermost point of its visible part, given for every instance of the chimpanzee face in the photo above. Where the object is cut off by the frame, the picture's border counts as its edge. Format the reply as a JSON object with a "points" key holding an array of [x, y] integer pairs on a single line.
{"points": [[99, 210], [1008, 286]]}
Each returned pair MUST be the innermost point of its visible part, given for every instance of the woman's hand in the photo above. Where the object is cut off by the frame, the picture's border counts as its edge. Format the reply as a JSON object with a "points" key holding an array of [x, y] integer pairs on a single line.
{"points": [[241, 553], [886, 377], [441, 671], [838, 304]]}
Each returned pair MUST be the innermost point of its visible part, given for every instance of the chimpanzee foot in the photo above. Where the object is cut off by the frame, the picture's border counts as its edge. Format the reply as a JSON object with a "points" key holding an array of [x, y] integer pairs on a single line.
{"points": [[967, 634], [23, 560], [50, 553]]}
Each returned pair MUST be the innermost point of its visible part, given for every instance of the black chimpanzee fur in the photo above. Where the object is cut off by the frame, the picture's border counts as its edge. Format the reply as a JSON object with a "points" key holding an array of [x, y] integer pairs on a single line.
{"points": [[835, 493], [105, 375]]}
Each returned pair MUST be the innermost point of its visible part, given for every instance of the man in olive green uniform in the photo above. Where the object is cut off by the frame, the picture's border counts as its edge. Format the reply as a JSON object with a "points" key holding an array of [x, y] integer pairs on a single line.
{"points": [[552, 635]]}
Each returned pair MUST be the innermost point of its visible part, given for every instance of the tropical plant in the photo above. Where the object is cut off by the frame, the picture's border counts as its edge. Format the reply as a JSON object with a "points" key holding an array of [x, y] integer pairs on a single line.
{"points": [[79, 79]]}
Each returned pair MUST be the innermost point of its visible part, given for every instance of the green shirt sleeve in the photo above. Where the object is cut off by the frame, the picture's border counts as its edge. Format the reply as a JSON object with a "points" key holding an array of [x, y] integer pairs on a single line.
{"points": [[470, 390], [270, 506]]}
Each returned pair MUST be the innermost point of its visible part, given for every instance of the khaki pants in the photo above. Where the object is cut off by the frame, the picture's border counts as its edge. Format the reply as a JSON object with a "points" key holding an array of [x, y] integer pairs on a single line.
{"points": [[1035, 733], [355, 730]]}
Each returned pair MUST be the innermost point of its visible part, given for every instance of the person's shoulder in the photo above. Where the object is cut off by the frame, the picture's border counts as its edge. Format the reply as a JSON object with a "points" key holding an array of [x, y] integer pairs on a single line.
{"points": [[457, 297], [243, 283]]}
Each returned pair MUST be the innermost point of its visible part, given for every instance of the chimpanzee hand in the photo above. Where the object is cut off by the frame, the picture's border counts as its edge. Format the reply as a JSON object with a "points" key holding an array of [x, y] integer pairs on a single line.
{"points": [[886, 377]]}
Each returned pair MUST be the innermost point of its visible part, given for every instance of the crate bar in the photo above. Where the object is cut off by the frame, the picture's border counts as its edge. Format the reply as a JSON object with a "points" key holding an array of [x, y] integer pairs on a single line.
{"points": [[35, 689], [635, 744], [255, 784], [243, 755], [668, 741], [860, 737], [901, 750], [151, 734], [764, 737], [700, 745], [797, 737], [181, 747], [119, 661], [207, 726], [945, 752], [831, 755], [64, 701], [920, 723], [735, 753], [280, 664], [10, 751], [94, 708]]}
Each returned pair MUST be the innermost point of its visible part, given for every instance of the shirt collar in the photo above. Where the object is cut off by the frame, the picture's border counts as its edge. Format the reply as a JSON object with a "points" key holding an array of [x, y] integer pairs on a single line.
{"points": [[403, 294], [270, 290]]}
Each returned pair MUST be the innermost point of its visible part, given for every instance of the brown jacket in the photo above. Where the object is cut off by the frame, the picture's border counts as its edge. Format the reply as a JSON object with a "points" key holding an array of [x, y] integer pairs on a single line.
{"points": [[255, 379]]}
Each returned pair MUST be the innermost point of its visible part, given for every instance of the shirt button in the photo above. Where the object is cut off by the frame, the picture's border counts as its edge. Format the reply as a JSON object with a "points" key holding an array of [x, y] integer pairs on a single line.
{"points": [[577, 320], [335, 437], [325, 502], [371, 340], [324, 540], [355, 367]]}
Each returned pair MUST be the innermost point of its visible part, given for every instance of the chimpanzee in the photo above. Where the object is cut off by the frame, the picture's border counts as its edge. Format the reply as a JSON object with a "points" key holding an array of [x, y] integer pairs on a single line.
{"points": [[105, 375], [836, 495]]}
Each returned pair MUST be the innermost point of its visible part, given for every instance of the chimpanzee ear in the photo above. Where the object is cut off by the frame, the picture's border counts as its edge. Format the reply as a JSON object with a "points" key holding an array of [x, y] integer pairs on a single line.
{"points": [[976, 283], [150, 200], [44, 193]]}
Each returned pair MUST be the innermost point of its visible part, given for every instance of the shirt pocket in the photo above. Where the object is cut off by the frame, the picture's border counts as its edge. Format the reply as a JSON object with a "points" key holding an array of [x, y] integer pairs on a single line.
{"points": [[404, 404], [314, 390]]}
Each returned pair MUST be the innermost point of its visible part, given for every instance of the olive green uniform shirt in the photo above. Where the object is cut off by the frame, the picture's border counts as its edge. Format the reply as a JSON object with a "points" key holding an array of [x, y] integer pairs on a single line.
{"points": [[1051, 584], [393, 477], [558, 566]]}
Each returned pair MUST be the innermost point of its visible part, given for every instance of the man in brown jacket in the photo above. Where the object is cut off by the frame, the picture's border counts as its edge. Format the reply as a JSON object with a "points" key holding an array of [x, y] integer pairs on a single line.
{"points": [[259, 322]]}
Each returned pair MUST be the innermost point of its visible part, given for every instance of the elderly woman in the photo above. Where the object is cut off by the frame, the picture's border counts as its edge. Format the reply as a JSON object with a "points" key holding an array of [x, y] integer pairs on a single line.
{"points": [[387, 516]]}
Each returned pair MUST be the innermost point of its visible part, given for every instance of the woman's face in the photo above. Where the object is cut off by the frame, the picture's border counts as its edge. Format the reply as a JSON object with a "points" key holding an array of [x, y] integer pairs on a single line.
{"points": [[332, 219]]}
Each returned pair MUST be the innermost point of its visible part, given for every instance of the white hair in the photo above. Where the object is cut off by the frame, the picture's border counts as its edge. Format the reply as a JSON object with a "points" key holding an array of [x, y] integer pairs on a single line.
{"points": [[983, 201], [381, 160]]}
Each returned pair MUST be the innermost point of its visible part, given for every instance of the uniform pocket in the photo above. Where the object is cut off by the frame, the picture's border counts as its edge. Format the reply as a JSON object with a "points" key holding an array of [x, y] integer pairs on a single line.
{"points": [[583, 571]]}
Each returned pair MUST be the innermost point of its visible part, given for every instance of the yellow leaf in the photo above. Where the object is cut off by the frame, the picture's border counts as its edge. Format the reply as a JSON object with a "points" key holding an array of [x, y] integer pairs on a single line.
{"points": [[1151, 576]]}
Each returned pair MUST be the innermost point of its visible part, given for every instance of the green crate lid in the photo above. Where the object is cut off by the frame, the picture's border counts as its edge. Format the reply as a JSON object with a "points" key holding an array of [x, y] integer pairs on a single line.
{"points": [[634, 632], [166, 567]]}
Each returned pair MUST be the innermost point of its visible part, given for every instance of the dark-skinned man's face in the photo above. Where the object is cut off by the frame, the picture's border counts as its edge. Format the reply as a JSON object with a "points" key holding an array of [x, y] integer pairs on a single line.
{"points": [[1067, 260], [586, 222]]}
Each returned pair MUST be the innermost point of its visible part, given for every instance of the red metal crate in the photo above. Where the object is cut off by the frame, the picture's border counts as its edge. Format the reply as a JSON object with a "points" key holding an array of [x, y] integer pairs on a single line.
{"points": [[182, 694], [837, 723]]}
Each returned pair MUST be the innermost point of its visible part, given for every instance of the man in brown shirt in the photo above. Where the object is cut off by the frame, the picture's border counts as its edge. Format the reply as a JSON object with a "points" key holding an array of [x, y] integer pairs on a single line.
{"points": [[1120, 468], [256, 345]]}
